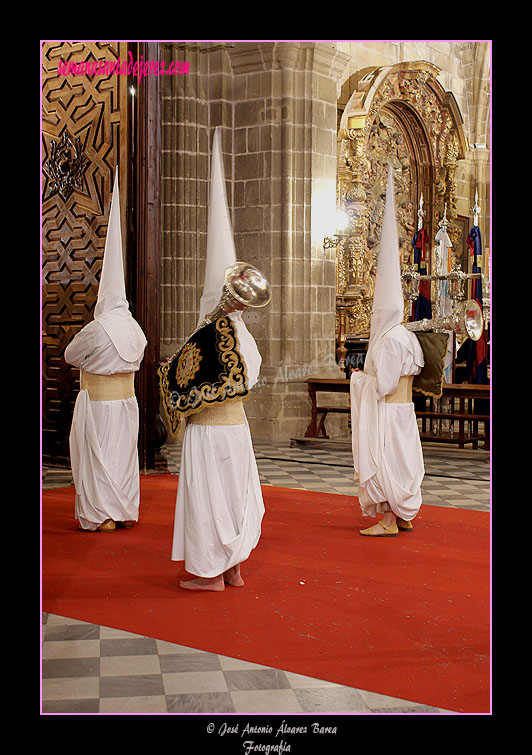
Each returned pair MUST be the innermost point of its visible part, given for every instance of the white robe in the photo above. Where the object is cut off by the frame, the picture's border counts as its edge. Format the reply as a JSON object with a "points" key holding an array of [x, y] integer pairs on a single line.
{"points": [[103, 436], [219, 506], [387, 454]]}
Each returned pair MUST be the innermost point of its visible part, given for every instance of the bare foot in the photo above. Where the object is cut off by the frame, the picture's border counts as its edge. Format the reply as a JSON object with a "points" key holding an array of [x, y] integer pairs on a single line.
{"points": [[214, 584], [233, 577]]}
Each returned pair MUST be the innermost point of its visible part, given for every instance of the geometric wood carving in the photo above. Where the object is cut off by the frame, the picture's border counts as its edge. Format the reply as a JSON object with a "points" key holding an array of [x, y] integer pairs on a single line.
{"points": [[66, 166], [80, 136]]}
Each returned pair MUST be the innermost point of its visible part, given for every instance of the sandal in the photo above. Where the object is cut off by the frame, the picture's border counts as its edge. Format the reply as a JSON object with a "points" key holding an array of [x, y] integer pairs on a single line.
{"points": [[404, 526], [107, 526], [389, 531]]}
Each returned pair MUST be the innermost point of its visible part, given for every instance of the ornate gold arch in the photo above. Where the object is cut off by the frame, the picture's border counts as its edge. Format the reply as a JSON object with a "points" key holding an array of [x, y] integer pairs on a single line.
{"points": [[399, 114]]}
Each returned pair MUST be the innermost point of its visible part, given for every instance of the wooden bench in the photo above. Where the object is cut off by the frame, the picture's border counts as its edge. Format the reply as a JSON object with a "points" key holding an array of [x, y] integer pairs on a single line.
{"points": [[316, 428], [463, 413], [461, 410]]}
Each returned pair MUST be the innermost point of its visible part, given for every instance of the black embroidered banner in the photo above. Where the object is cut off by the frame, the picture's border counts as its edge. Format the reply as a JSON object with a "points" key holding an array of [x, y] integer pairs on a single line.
{"points": [[207, 370]]}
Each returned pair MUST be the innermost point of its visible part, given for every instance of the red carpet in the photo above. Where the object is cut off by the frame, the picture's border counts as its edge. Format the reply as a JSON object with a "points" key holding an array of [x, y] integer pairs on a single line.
{"points": [[407, 617]]}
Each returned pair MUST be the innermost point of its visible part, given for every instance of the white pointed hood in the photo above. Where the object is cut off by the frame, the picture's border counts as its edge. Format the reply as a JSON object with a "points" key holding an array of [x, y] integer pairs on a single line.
{"points": [[220, 254], [220, 243], [112, 308], [388, 303]]}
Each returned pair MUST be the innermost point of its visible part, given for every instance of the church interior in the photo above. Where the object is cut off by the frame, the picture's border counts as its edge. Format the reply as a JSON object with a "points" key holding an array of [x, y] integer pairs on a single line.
{"points": [[308, 130]]}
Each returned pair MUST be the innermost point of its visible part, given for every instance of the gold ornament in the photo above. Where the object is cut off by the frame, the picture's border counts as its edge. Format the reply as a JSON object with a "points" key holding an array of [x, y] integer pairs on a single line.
{"points": [[188, 364]]}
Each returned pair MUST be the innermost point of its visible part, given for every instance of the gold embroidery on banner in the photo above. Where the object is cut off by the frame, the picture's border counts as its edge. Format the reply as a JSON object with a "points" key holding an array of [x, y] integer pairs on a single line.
{"points": [[173, 418], [230, 385], [188, 364]]}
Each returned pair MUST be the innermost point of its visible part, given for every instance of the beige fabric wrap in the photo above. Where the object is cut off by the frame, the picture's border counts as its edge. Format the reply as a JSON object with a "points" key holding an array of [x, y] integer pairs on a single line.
{"points": [[115, 387], [226, 413], [403, 393]]}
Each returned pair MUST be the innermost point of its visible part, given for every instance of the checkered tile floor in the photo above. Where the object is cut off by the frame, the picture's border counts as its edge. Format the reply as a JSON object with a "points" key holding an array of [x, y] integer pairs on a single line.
{"points": [[96, 669], [453, 477]]}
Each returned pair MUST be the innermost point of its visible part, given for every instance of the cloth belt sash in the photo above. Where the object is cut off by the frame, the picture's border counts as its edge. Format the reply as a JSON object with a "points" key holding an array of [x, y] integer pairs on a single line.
{"points": [[403, 392], [115, 387], [225, 413]]}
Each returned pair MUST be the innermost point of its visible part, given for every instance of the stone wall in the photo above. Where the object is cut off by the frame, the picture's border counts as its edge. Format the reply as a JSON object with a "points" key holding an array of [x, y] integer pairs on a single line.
{"points": [[277, 105]]}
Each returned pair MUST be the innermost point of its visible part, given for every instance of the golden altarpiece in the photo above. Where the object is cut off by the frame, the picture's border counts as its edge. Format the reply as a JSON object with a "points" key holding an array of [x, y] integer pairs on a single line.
{"points": [[400, 114]]}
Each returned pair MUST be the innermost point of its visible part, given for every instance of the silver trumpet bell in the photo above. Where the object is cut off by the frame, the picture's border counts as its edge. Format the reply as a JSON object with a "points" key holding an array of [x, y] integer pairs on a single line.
{"points": [[244, 287], [466, 319]]}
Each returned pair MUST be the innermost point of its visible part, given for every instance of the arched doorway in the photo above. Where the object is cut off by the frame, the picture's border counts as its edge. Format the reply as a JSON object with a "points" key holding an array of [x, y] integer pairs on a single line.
{"points": [[403, 116]]}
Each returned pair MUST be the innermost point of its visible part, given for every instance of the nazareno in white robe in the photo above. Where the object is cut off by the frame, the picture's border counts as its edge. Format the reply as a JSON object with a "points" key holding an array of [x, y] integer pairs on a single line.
{"points": [[219, 506], [387, 454], [103, 436]]}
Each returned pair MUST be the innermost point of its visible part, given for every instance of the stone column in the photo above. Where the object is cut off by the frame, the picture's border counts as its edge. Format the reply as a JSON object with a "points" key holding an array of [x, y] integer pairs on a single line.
{"points": [[184, 191], [284, 156]]}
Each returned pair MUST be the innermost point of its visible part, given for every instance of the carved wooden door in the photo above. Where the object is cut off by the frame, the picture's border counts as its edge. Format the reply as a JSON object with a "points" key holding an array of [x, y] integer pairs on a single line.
{"points": [[81, 124]]}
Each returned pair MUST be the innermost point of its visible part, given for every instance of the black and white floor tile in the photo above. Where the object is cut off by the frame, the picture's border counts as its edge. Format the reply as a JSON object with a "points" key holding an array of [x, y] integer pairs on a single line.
{"points": [[454, 477], [99, 670], [95, 669]]}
